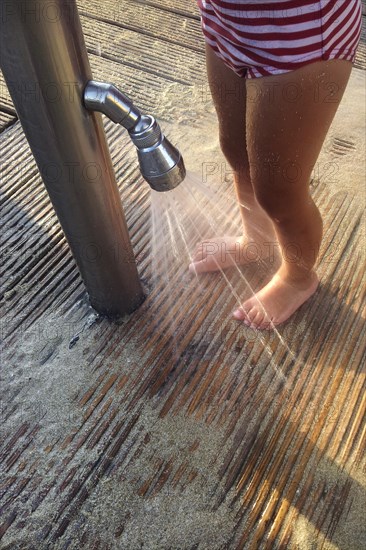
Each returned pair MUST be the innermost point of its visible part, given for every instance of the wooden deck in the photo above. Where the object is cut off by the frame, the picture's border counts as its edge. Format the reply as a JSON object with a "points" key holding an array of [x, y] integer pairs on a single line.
{"points": [[194, 433]]}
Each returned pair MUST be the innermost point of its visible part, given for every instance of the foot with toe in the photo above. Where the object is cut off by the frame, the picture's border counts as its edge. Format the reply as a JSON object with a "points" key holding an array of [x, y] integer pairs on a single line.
{"points": [[277, 301], [224, 252]]}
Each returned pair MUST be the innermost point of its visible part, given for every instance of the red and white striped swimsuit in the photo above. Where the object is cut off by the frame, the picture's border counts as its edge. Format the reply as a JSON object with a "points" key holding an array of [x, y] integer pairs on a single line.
{"points": [[264, 37]]}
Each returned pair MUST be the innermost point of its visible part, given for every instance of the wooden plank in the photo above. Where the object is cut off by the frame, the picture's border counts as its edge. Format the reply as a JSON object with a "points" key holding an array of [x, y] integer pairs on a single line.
{"points": [[145, 53], [360, 61], [7, 112], [6, 120], [5, 99], [184, 7], [147, 20]]}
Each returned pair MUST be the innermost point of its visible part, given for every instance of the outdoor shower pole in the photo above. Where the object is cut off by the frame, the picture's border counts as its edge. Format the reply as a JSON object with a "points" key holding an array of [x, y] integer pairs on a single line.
{"points": [[45, 65]]}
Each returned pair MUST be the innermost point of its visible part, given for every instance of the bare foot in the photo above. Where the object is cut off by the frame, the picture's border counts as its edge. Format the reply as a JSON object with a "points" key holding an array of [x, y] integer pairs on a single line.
{"points": [[224, 252], [276, 302]]}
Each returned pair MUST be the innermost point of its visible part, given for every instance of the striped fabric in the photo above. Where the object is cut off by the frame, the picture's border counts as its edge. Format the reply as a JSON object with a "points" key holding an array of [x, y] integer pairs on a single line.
{"points": [[265, 37]]}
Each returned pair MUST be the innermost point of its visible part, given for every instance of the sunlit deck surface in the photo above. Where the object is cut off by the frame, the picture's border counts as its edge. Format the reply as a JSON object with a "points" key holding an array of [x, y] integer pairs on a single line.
{"points": [[196, 434]]}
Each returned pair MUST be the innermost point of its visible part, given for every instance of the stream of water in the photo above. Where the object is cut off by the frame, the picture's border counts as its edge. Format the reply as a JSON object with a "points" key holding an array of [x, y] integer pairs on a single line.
{"points": [[182, 218]]}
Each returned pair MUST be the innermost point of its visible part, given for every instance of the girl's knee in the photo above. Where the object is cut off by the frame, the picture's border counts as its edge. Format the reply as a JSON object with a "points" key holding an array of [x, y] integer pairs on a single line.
{"points": [[279, 205], [285, 207], [236, 155]]}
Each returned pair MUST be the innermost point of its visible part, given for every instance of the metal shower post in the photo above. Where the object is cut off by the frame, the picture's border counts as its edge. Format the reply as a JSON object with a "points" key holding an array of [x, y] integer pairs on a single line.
{"points": [[45, 65]]}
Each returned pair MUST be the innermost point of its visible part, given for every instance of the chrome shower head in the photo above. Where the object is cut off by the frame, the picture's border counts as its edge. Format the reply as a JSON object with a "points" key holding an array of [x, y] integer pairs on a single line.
{"points": [[161, 164]]}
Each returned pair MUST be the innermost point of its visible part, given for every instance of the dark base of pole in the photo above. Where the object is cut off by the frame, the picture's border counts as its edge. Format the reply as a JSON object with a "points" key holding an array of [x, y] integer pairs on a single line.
{"points": [[115, 313]]}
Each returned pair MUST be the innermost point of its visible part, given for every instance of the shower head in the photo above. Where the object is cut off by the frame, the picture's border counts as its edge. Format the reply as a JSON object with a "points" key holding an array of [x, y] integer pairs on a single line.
{"points": [[161, 164]]}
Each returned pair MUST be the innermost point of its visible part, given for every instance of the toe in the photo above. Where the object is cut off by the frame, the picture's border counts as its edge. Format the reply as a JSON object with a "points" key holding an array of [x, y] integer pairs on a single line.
{"points": [[267, 322], [239, 314], [256, 319], [242, 313], [202, 266], [198, 254], [195, 267]]}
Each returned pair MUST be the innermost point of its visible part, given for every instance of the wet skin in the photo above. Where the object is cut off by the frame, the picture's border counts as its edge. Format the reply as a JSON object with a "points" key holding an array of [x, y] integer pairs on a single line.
{"points": [[271, 133]]}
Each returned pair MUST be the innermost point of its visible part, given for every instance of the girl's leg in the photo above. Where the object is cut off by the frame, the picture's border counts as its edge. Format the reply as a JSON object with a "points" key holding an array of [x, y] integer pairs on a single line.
{"points": [[286, 127], [228, 91]]}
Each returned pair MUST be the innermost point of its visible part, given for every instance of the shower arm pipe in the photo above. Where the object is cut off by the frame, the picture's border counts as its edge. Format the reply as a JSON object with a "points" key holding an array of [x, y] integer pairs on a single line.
{"points": [[109, 100], [46, 68], [161, 164]]}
